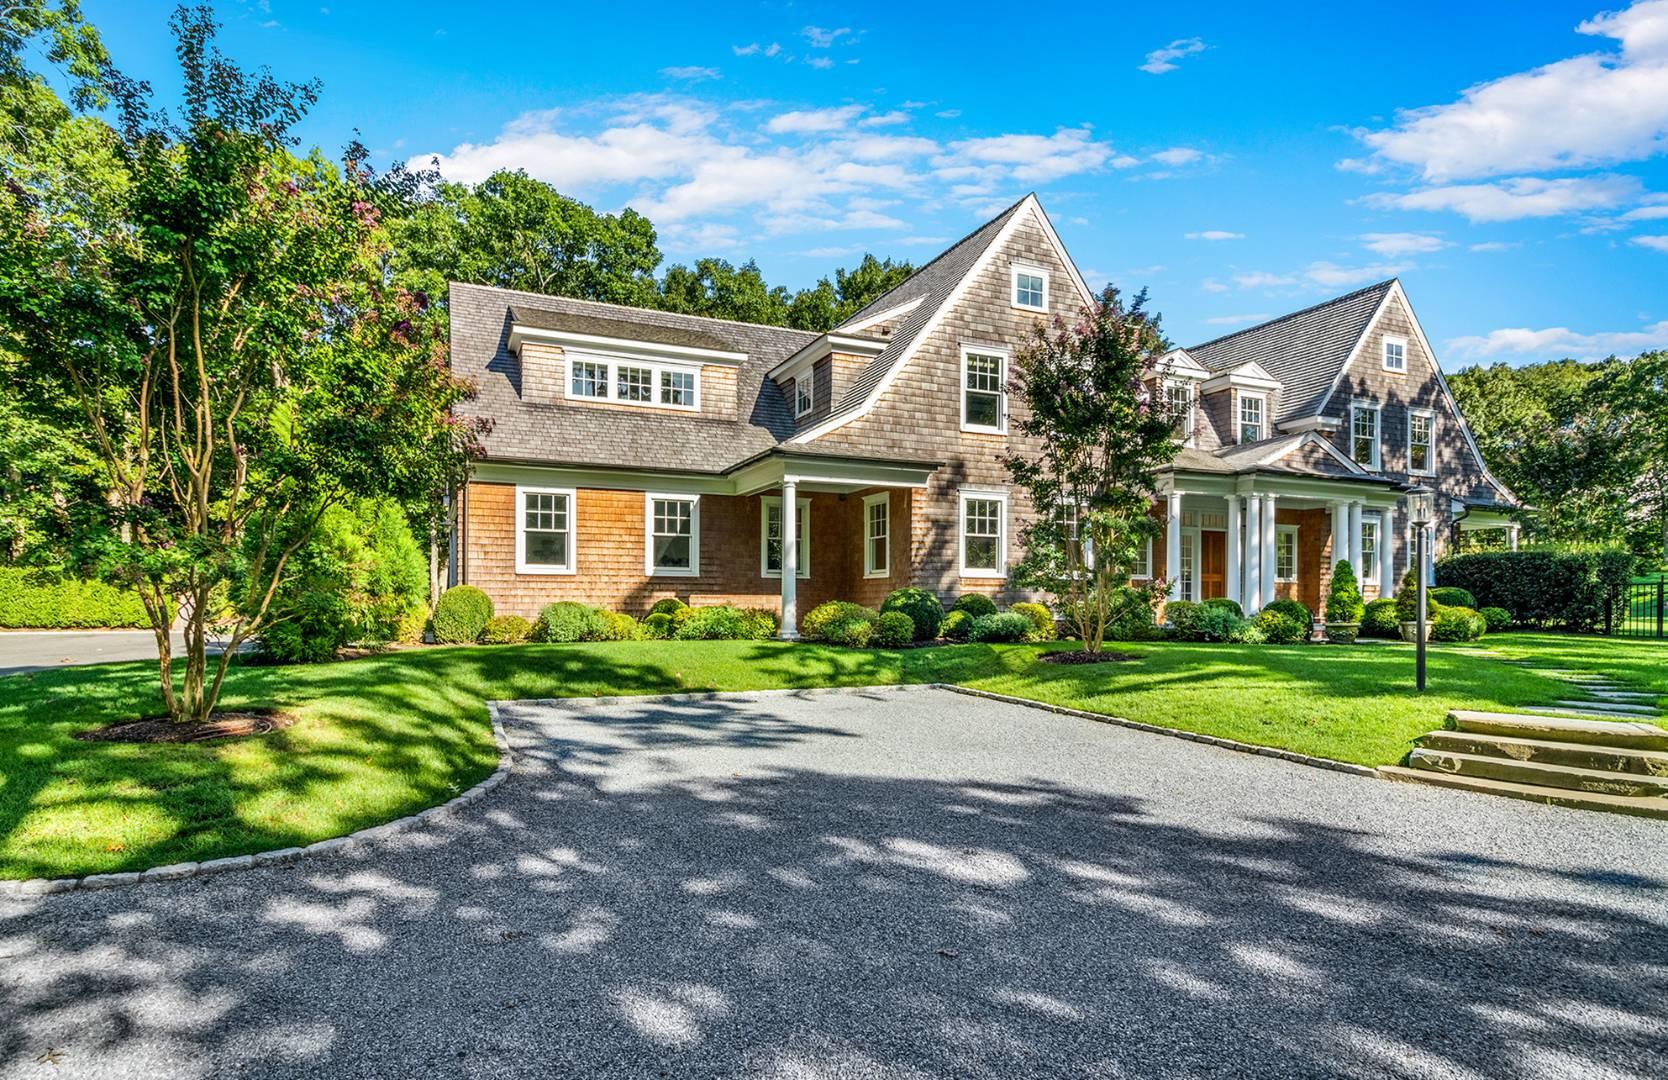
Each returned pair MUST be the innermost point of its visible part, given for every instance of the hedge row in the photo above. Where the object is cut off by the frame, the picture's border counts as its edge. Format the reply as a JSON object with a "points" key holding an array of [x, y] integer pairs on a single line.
{"points": [[37, 600], [1543, 588]]}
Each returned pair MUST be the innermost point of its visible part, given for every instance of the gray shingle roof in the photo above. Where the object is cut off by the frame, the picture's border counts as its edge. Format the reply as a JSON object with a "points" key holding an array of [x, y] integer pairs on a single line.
{"points": [[1304, 350], [629, 329]]}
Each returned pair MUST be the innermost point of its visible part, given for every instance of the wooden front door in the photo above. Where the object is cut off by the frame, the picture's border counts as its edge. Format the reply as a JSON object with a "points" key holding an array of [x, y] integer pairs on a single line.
{"points": [[1213, 564]]}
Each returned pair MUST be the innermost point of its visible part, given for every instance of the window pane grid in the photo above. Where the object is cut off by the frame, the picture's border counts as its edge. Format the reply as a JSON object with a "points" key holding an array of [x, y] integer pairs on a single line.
{"points": [[545, 529], [983, 403], [1250, 419], [1419, 442], [636, 384], [677, 388], [982, 533], [877, 529], [1368, 570], [1365, 430], [590, 380], [1395, 356], [1028, 290], [1285, 562]]}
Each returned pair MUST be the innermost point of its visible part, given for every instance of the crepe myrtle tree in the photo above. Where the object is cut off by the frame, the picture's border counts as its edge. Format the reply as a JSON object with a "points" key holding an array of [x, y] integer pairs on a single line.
{"points": [[225, 339], [1099, 435]]}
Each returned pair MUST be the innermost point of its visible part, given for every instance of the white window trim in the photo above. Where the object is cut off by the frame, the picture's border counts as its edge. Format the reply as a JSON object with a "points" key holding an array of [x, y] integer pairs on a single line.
{"points": [[1368, 574], [1192, 389], [1013, 287], [1430, 457], [611, 364], [1239, 415], [1377, 409], [649, 567], [521, 564], [1001, 427], [1297, 553], [870, 570], [983, 494], [802, 536], [1148, 576], [804, 394], [1384, 353]]}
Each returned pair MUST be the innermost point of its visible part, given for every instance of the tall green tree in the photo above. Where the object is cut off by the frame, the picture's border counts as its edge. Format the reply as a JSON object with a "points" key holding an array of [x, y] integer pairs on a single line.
{"points": [[1635, 394], [1100, 436], [719, 290], [827, 304], [223, 336]]}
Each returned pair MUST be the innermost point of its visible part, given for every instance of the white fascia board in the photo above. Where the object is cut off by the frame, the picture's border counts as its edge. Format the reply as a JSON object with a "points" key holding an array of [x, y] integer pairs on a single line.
{"points": [[1248, 376], [882, 316], [620, 346], [1179, 364], [578, 476], [826, 345], [1060, 250], [1311, 423]]}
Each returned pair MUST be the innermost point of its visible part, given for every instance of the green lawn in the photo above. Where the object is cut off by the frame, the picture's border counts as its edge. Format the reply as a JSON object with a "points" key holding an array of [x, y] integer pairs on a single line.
{"points": [[387, 736]]}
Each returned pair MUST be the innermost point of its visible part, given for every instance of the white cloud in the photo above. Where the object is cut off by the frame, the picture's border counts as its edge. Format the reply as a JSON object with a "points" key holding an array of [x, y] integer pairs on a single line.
{"points": [[1401, 243], [1261, 279], [1030, 158], [1237, 320], [821, 63], [755, 49], [886, 147], [1489, 246], [821, 38], [1558, 342], [1211, 285], [1317, 275], [807, 121], [885, 119], [1164, 60], [1590, 110], [1655, 243], [1215, 234], [1517, 197], [690, 74], [947, 114], [1646, 213], [1178, 155]]}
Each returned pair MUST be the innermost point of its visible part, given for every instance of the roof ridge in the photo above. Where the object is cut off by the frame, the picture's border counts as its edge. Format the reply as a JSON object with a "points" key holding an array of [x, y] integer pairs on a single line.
{"points": [[634, 307], [1294, 314], [940, 257]]}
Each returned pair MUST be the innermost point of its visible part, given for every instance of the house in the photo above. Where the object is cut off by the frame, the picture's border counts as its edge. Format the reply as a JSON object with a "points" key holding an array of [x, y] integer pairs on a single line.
{"points": [[638, 454]]}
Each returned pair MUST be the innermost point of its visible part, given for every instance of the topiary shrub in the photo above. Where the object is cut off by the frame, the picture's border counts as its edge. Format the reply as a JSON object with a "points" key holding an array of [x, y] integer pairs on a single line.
{"points": [[975, 604], [892, 629], [506, 630], [815, 625], [999, 627], [955, 626], [1452, 596], [1457, 623], [1280, 627], [924, 611], [1343, 599], [1042, 621], [461, 615], [1295, 610], [669, 605], [1379, 620], [566, 622], [658, 626], [1407, 599], [617, 626], [1226, 604], [1498, 619]]}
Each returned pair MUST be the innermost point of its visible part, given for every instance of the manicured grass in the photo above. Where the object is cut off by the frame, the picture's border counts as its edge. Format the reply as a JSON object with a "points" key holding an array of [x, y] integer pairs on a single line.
{"points": [[1640, 662], [387, 736]]}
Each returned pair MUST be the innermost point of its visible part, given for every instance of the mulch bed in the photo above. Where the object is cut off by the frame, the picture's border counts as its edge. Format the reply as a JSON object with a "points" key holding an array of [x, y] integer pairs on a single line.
{"points": [[1082, 657], [232, 724]]}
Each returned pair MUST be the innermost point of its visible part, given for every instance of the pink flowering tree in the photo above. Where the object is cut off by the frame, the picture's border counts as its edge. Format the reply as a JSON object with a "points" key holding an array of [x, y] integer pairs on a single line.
{"points": [[1096, 433], [224, 338]]}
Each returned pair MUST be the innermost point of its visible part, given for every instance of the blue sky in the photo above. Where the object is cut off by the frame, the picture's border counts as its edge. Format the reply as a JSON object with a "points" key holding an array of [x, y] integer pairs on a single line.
{"points": [[1506, 160]]}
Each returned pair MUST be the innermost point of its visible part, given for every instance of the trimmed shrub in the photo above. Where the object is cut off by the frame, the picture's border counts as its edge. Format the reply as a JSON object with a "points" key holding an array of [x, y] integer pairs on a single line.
{"points": [[38, 600], [762, 623], [1452, 596], [681, 616], [1132, 617], [1042, 623], [1279, 627], [1294, 610], [567, 621], [657, 626], [1457, 624], [1343, 599], [998, 627], [723, 622], [1407, 599], [924, 611], [975, 604], [461, 615], [1498, 619], [1226, 604], [1246, 633], [617, 626], [815, 626], [1380, 620], [1544, 588], [669, 605], [506, 630], [955, 626], [408, 628], [853, 633], [892, 629], [1178, 612], [1206, 622]]}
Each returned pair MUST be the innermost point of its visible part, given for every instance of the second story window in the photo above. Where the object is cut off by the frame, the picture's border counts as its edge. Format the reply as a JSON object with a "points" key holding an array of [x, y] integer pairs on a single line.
{"points": [[677, 388], [590, 380], [1395, 354], [1030, 288], [1252, 417], [1363, 429], [983, 399], [804, 395], [635, 384], [1178, 402], [1421, 441]]}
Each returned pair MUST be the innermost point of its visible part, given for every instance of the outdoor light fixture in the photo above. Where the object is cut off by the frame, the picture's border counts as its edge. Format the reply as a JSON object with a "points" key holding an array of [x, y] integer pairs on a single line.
{"points": [[1421, 508]]}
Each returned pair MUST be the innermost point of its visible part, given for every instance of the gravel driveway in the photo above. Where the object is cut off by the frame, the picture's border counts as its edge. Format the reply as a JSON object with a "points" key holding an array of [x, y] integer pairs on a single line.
{"points": [[885, 884]]}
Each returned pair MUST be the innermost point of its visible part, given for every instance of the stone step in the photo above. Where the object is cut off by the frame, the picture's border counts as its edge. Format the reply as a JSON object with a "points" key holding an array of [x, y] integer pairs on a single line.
{"points": [[1632, 734], [1625, 695], [1539, 773], [1582, 711], [1619, 707], [1579, 755], [1652, 807]]}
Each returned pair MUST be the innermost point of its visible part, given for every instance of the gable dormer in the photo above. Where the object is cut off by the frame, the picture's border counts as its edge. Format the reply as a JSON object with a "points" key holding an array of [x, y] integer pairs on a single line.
{"points": [[1175, 386], [816, 376], [1242, 401]]}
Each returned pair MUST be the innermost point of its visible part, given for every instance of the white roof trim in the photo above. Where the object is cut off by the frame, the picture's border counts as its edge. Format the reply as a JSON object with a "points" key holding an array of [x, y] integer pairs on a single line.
{"points": [[1312, 423], [1060, 249], [882, 316], [1179, 364], [1247, 376], [630, 346], [827, 345]]}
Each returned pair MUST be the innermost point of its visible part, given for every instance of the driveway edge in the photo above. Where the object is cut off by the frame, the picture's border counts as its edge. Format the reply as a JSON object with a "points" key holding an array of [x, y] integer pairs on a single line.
{"points": [[31, 887]]}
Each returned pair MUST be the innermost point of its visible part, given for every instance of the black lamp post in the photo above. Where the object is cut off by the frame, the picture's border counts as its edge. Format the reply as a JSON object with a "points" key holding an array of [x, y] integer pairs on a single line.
{"points": [[1420, 510]]}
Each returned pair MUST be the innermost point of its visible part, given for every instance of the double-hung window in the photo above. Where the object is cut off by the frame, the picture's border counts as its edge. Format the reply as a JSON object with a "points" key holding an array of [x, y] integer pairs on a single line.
{"points": [[1363, 435], [1395, 353], [804, 395], [1253, 409], [1030, 288], [984, 534], [877, 535], [1143, 569], [590, 379], [672, 540], [1285, 553], [545, 527], [1421, 441], [770, 536], [984, 404], [1178, 403], [1368, 570]]}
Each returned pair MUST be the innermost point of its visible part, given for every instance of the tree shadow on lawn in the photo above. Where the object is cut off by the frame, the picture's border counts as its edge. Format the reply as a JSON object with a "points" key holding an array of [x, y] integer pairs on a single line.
{"points": [[785, 921]]}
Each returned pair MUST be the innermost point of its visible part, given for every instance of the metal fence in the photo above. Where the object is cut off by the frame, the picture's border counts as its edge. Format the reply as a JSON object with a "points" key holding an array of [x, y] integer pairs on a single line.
{"points": [[1641, 611]]}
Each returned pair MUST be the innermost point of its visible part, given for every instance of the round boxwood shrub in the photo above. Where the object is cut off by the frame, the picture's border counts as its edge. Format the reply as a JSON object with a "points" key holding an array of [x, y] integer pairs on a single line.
{"points": [[618, 626], [721, 622], [761, 623], [461, 615], [567, 621], [975, 604], [1280, 627], [506, 630], [1295, 610], [1042, 623], [892, 629], [854, 631], [1498, 619], [669, 605], [658, 626], [955, 626], [815, 626], [924, 611], [1452, 596], [1456, 623], [999, 627], [1379, 620], [1226, 604]]}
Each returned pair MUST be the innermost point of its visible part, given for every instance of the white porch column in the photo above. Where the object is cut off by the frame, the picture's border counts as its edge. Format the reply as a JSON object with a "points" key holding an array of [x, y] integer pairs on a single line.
{"points": [[1172, 545], [790, 560], [1231, 584], [1355, 550], [1511, 537], [1271, 550], [1253, 601], [1387, 583], [1340, 522]]}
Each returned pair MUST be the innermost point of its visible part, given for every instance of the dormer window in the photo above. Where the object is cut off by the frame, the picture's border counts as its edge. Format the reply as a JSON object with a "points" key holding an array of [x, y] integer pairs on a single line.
{"points": [[590, 380], [677, 388], [634, 384], [804, 395], [1178, 403], [1253, 416], [1395, 353], [1030, 288]]}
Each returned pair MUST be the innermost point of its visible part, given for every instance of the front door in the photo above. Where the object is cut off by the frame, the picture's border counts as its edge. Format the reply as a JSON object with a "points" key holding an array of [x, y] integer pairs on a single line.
{"points": [[1213, 564]]}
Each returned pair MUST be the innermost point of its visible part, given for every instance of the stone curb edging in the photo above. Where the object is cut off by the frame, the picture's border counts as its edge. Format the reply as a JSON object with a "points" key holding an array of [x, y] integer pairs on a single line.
{"points": [[32, 887]]}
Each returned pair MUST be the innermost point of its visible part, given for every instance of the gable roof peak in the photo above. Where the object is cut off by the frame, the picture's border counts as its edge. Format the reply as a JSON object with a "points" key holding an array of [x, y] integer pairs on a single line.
{"points": [[1378, 288]]}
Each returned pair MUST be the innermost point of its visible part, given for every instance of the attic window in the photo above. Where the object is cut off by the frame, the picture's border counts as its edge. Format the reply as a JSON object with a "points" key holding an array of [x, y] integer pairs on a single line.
{"points": [[1395, 353], [1252, 409], [594, 377], [1030, 288], [804, 395]]}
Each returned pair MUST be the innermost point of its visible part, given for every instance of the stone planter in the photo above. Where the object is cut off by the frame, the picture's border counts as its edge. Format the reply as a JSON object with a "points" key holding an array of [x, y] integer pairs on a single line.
{"points": [[1342, 633], [1410, 632]]}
